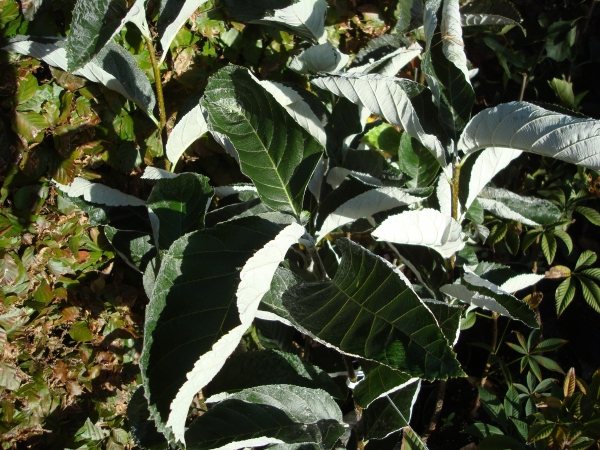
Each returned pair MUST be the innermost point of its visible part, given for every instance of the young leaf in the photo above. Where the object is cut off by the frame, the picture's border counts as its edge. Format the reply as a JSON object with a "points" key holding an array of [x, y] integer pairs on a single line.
{"points": [[527, 210], [536, 130], [275, 152], [392, 412], [94, 24], [365, 205], [478, 170], [180, 204], [99, 193], [388, 97], [275, 414], [305, 18], [199, 309], [379, 382], [370, 310], [113, 67], [319, 58], [489, 12], [172, 15], [426, 227], [190, 126]]}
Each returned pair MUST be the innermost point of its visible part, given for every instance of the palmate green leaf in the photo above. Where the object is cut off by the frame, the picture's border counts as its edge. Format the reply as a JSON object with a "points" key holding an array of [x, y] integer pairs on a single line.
{"points": [[523, 126], [391, 412], [113, 67], [305, 18], [275, 414], [586, 259], [591, 292], [94, 23], [489, 12], [590, 214], [199, 309], [370, 310], [252, 369], [564, 236], [445, 66], [180, 205], [549, 246], [275, 152], [411, 440], [527, 210], [401, 102], [172, 15]]}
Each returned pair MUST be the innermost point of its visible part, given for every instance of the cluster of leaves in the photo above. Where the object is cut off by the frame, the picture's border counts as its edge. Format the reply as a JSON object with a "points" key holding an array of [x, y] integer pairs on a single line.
{"points": [[399, 166]]}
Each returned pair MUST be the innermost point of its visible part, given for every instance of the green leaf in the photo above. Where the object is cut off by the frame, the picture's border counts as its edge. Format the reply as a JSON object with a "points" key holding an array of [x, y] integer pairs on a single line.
{"points": [[536, 130], [411, 440], [547, 363], [136, 248], [540, 431], [30, 125], [592, 273], [400, 102], [448, 318], [193, 321], [180, 204], [391, 412], [527, 210], [264, 415], [549, 246], [586, 259], [445, 66], [94, 23], [380, 380], [563, 236], [275, 152], [482, 293], [370, 310], [489, 12], [271, 306], [417, 162], [142, 427], [80, 332], [564, 91], [305, 18], [590, 214], [591, 292], [252, 369], [500, 442]]}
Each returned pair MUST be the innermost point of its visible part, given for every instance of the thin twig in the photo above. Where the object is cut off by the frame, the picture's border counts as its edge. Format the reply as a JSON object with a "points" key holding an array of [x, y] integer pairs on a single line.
{"points": [[439, 404]]}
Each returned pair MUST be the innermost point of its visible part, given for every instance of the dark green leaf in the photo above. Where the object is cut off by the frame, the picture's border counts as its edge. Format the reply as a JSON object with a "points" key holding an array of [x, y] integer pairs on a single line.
{"points": [[540, 431], [193, 302], [271, 302], [379, 380], [549, 246], [426, 264], [275, 152], [489, 12], [448, 318], [252, 369], [564, 295], [143, 429], [94, 22], [370, 310], [417, 162], [268, 414], [499, 442], [391, 412], [481, 430], [136, 248], [180, 204], [591, 292]]}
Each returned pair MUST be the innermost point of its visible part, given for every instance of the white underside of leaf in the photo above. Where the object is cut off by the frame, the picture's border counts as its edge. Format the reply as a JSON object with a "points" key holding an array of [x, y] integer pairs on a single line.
{"points": [[399, 57], [501, 210], [427, 227], [383, 96], [452, 42], [489, 163], [297, 108], [272, 317], [527, 127], [250, 443], [98, 193], [320, 58], [316, 181], [154, 173], [307, 16], [519, 282], [225, 191], [171, 31], [473, 298], [191, 127], [57, 57], [226, 143], [365, 205], [337, 175], [256, 276], [467, 20], [443, 191], [137, 16]]}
